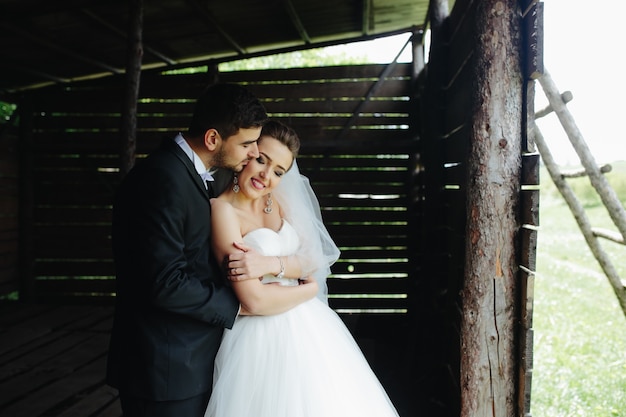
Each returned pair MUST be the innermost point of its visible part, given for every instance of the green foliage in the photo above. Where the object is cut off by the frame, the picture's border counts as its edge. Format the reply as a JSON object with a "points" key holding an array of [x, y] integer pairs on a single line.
{"points": [[6, 110], [13, 296], [299, 59], [579, 328]]}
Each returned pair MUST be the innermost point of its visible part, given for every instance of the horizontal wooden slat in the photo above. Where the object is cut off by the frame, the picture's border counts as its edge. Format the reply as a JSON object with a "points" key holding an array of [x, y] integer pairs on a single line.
{"points": [[528, 258], [327, 120], [88, 177], [99, 265], [360, 267], [367, 240], [329, 72], [77, 215], [147, 141], [368, 303], [368, 285], [92, 299], [357, 201], [372, 176], [80, 162], [374, 229], [71, 195], [70, 250], [529, 202], [378, 253], [72, 231], [68, 286], [530, 169], [308, 88], [276, 106], [455, 174], [392, 105], [362, 216], [352, 160]]}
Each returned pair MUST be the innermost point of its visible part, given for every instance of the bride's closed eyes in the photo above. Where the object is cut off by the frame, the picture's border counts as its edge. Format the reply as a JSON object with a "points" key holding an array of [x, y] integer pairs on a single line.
{"points": [[262, 159]]}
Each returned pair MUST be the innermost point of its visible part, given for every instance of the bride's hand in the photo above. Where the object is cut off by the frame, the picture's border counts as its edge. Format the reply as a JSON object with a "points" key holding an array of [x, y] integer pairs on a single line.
{"points": [[309, 280]]}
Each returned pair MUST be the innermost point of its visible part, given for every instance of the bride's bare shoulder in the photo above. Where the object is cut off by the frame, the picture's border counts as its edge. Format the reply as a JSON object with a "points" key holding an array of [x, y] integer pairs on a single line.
{"points": [[222, 207], [220, 202]]}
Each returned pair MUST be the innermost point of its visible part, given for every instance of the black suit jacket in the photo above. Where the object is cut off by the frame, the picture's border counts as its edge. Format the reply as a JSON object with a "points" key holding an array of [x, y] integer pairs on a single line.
{"points": [[172, 302]]}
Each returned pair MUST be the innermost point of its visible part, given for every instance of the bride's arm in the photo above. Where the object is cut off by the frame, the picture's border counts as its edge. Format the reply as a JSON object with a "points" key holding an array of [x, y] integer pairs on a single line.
{"points": [[247, 263], [255, 297]]}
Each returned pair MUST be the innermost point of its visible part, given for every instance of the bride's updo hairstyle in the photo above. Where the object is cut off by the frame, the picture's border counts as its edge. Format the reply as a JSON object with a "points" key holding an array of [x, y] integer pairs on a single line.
{"points": [[284, 134]]}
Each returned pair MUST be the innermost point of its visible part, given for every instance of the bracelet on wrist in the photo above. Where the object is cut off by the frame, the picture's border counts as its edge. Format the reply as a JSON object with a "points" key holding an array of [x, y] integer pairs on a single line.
{"points": [[281, 274]]}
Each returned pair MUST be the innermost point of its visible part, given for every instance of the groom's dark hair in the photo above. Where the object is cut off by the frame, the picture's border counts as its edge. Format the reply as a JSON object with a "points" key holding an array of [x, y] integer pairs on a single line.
{"points": [[226, 108]]}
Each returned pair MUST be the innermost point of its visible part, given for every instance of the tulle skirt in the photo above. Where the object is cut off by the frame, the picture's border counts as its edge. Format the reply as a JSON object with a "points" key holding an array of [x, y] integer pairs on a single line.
{"points": [[302, 363]]}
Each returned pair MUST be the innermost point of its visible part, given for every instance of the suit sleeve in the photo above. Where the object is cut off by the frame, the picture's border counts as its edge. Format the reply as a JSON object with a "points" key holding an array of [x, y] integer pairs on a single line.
{"points": [[169, 248]]}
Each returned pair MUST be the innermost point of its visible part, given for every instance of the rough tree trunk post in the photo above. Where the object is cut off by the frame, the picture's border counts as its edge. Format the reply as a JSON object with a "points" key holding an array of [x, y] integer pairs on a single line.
{"points": [[489, 295], [128, 133]]}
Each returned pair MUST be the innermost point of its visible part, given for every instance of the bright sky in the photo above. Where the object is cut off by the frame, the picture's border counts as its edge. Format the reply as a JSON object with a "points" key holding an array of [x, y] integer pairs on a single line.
{"points": [[583, 52]]}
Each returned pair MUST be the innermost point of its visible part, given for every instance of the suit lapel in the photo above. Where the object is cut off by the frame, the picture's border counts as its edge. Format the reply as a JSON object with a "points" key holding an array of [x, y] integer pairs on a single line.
{"points": [[173, 147]]}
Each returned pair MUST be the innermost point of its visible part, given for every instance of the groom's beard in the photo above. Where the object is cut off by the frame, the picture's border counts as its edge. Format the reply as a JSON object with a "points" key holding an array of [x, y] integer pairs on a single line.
{"points": [[221, 160]]}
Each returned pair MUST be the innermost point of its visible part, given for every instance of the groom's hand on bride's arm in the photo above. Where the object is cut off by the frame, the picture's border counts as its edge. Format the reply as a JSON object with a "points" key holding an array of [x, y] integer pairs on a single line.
{"points": [[247, 263]]}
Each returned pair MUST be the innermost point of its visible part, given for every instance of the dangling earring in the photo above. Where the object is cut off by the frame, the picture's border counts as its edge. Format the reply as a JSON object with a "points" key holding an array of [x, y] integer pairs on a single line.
{"points": [[268, 204], [235, 184]]}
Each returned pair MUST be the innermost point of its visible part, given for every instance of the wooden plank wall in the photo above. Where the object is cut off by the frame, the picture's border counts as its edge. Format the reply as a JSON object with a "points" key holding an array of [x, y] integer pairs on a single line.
{"points": [[444, 144], [9, 209], [360, 168], [445, 140], [360, 174]]}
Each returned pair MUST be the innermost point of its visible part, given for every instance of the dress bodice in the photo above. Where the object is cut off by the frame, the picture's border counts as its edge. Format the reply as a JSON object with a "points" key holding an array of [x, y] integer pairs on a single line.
{"points": [[271, 243]]}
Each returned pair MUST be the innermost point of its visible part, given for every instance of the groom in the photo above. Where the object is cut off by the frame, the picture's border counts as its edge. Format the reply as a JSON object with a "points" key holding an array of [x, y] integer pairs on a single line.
{"points": [[172, 302]]}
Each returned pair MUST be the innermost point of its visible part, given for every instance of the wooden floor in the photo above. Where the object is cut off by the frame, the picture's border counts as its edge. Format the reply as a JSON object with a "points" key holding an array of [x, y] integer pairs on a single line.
{"points": [[52, 361]]}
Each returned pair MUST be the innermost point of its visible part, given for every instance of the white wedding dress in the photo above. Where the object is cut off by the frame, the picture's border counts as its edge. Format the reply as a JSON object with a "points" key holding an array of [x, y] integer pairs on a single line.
{"points": [[302, 363]]}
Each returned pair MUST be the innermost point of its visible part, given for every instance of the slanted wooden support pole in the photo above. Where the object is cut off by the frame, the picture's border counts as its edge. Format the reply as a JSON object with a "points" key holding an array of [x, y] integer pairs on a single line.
{"points": [[371, 93], [128, 131], [582, 220], [598, 181], [489, 324]]}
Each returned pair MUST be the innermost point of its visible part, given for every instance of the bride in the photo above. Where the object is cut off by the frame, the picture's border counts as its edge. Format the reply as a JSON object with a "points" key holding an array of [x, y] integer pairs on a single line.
{"points": [[302, 362]]}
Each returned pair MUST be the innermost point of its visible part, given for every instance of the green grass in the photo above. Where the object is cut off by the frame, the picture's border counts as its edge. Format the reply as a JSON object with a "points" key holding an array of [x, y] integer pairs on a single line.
{"points": [[580, 330]]}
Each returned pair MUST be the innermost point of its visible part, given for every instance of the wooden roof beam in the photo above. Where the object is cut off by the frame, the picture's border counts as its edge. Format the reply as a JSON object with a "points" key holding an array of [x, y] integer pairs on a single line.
{"points": [[295, 19], [44, 75], [367, 11], [67, 52], [122, 34], [204, 12]]}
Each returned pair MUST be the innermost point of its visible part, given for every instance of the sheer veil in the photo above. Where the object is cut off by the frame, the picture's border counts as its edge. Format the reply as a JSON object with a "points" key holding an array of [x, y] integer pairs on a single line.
{"points": [[300, 207]]}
